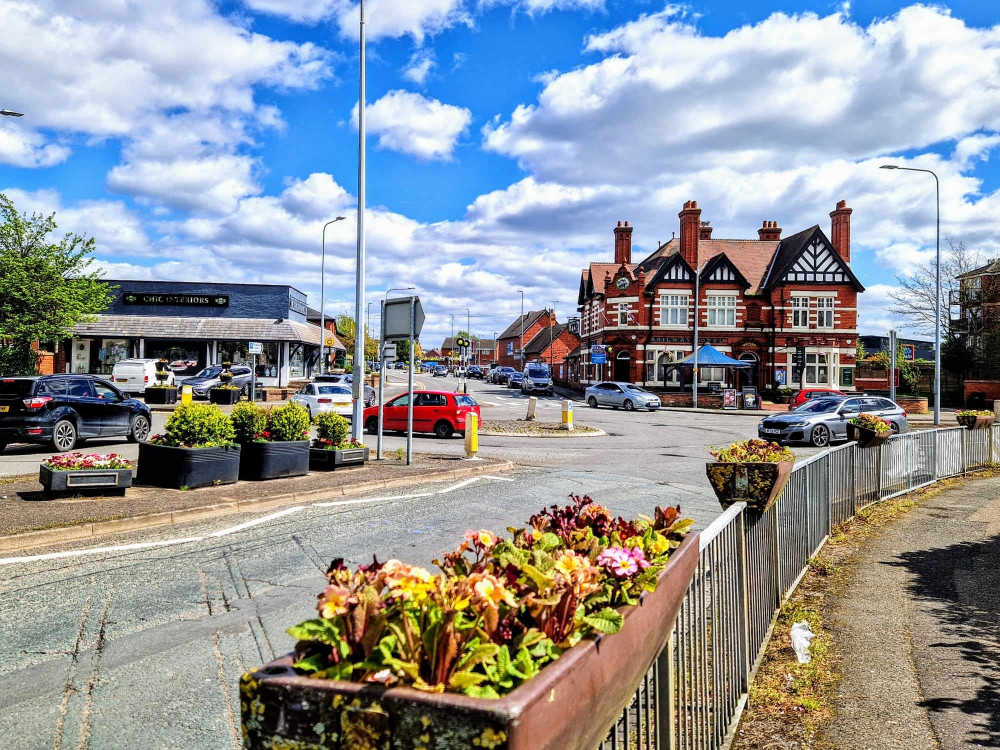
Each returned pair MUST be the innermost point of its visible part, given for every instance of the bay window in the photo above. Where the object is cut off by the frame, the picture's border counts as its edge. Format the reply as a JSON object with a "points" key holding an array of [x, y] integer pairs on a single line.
{"points": [[817, 369]]}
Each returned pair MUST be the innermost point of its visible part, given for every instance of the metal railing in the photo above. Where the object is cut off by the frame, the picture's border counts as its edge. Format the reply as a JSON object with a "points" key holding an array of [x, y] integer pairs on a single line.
{"points": [[694, 693]]}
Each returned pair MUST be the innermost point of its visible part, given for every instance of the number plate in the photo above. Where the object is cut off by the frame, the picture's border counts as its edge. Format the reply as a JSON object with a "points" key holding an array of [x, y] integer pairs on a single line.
{"points": [[4, 409], [770, 431], [121, 380]]}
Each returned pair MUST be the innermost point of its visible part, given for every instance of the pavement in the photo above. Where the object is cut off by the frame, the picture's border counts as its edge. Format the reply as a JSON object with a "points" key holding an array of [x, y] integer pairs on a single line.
{"points": [[918, 630]]}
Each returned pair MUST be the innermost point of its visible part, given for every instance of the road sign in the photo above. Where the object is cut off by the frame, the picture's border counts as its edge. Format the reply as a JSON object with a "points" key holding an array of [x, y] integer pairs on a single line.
{"points": [[800, 356], [397, 318], [328, 342], [598, 356], [255, 347], [389, 352]]}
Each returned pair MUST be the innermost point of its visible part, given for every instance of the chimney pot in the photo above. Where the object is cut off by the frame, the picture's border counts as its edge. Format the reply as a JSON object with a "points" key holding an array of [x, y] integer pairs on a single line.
{"points": [[769, 231], [626, 222], [623, 244], [619, 222]]}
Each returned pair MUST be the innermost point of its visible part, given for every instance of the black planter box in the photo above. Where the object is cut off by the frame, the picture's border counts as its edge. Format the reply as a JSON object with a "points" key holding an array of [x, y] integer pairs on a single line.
{"points": [[224, 396], [321, 459], [165, 466], [78, 480], [160, 395], [273, 460]]}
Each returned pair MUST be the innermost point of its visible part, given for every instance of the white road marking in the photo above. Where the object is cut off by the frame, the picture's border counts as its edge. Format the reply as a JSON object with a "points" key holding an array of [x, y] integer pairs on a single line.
{"points": [[499, 479], [96, 550], [369, 500], [459, 486], [255, 522]]}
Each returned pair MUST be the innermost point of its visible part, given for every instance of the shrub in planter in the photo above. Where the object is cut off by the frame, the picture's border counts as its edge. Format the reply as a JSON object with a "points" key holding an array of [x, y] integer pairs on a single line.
{"points": [[332, 448], [868, 430], [225, 392], [197, 449], [274, 442], [162, 373], [975, 419], [69, 472], [497, 650], [752, 471]]}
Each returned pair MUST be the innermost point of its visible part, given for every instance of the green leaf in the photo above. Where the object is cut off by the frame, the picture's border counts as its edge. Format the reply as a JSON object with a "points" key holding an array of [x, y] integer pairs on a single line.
{"points": [[547, 542], [542, 582], [503, 660], [324, 631], [463, 680], [481, 691], [477, 654], [606, 621], [313, 663]]}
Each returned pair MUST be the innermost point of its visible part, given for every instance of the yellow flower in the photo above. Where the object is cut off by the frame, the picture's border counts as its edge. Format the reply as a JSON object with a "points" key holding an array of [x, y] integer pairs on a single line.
{"points": [[659, 545], [334, 601], [461, 604], [570, 562], [490, 591], [407, 581], [486, 538]]}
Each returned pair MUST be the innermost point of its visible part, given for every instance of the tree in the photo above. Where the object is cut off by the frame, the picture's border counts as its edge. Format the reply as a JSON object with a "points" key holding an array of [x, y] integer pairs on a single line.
{"points": [[403, 350], [915, 297], [45, 287], [347, 331]]}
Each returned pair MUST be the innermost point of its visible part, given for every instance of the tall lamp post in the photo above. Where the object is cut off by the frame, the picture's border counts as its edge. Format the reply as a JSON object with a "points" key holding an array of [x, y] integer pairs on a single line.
{"points": [[520, 343], [553, 322], [322, 298], [359, 291], [496, 348], [937, 291]]}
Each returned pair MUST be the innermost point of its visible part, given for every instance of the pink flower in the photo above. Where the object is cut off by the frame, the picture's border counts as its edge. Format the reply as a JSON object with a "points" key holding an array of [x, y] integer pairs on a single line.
{"points": [[619, 561]]}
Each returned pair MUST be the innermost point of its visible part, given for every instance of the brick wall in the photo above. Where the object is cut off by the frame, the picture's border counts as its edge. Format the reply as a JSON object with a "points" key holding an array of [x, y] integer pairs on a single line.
{"points": [[990, 387]]}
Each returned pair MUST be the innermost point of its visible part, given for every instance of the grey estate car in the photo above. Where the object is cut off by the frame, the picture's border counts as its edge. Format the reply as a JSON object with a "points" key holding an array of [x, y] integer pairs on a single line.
{"points": [[824, 420], [204, 380], [628, 396]]}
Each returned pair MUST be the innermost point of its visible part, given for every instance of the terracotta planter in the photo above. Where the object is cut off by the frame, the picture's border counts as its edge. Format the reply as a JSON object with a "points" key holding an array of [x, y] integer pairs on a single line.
{"points": [[913, 404], [321, 459], [976, 423], [864, 437], [758, 485], [569, 705], [224, 396], [76, 480]]}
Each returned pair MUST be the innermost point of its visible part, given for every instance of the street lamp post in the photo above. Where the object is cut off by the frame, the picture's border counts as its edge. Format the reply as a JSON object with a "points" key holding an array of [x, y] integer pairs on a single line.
{"points": [[322, 298], [359, 291], [520, 343], [551, 324], [937, 291], [496, 348]]}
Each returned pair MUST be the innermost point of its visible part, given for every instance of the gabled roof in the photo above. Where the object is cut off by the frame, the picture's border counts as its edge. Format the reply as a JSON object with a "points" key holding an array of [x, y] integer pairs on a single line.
{"points": [[749, 257], [794, 247], [529, 318], [540, 342], [720, 268], [670, 268]]}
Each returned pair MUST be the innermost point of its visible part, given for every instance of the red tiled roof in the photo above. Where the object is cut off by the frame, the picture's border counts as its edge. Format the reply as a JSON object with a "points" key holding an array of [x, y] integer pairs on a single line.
{"points": [[751, 257]]}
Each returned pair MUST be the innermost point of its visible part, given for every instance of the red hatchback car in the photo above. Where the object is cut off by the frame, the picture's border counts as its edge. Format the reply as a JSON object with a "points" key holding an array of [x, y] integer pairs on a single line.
{"points": [[440, 412], [808, 394]]}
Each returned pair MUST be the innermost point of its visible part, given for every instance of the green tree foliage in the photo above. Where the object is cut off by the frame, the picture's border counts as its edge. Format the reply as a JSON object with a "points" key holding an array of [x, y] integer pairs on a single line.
{"points": [[909, 372], [403, 350], [45, 287], [347, 331]]}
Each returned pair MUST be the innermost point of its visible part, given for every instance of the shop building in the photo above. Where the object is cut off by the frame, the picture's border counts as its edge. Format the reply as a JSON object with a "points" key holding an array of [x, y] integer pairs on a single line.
{"points": [[758, 301], [196, 324]]}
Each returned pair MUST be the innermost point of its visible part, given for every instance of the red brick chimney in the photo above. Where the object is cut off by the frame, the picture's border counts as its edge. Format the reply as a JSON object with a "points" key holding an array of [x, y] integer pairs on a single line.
{"points": [[623, 243], [840, 230], [690, 218], [705, 231], [770, 231]]}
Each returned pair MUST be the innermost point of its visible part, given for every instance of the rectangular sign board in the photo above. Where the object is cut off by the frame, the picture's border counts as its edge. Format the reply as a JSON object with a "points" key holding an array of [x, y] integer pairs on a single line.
{"points": [[389, 352], [255, 347], [750, 399], [598, 355], [159, 298], [397, 318]]}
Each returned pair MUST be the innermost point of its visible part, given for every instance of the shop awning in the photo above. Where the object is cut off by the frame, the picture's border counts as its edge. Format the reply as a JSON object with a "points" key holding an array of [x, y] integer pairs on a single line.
{"points": [[709, 356], [212, 329]]}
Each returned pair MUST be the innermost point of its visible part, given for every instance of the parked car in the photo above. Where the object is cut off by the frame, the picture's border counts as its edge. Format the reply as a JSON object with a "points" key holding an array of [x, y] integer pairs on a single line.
{"points": [[491, 372], [346, 378], [63, 410], [204, 380], [808, 394], [440, 371], [503, 375], [458, 372], [628, 396], [439, 412], [475, 371], [135, 375], [824, 420], [514, 379], [537, 379], [319, 398], [183, 365]]}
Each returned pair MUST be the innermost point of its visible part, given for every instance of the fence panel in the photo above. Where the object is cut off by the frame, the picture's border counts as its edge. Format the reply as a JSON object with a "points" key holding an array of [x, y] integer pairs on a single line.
{"points": [[950, 456], [763, 587], [978, 448], [843, 470], [868, 476], [793, 527]]}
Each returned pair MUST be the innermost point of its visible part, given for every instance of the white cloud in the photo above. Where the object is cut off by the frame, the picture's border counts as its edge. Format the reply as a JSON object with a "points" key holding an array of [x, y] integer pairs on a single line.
{"points": [[23, 148], [420, 66], [212, 184], [413, 124], [393, 19]]}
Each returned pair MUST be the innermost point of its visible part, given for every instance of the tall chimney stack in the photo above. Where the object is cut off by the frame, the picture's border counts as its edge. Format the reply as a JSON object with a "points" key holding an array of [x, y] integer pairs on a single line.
{"points": [[770, 231], [705, 231], [690, 217], [623, 243], [840, 230]]}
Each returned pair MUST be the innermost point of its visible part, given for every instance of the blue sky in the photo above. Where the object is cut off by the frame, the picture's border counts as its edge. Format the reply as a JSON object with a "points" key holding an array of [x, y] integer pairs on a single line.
{"points": [[506, 137]]}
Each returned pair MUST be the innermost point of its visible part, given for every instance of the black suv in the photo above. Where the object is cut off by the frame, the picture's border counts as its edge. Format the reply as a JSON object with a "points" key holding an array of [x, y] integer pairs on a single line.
{"points": [[63, 410], [474, 371]]}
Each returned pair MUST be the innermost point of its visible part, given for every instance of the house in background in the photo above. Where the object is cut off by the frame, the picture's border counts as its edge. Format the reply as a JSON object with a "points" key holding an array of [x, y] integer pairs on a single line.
{"points": [[519, 333]]}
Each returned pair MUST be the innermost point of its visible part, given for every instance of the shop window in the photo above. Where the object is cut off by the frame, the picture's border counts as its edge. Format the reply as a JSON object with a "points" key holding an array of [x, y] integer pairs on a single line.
{"points": [[817, 369], [110, 353], [297, 361], [721, 310], [237, 352]]}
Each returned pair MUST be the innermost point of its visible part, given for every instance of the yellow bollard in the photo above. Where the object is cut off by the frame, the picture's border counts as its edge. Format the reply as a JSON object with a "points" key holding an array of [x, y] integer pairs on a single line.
{"points": [[471, 434], [186, 394], [567, 414]]}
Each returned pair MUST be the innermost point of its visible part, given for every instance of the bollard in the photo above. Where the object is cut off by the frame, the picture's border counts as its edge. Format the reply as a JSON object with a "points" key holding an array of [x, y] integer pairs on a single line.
{"points": [[532, 403], [186, 394], [567, 414], [471, 434]]}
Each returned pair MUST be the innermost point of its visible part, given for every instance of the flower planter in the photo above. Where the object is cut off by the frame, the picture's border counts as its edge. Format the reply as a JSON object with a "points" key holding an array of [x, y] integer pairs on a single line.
{"points": [[160, 395], [273, 460], [75, 480], [756, 484], [866, 438], [321, 459], [569, 705], [224, 396], [166, 466], [976, 423]]}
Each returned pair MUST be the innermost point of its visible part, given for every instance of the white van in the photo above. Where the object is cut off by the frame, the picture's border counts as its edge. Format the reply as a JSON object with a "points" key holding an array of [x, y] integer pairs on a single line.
{"points": [[134, 375]]}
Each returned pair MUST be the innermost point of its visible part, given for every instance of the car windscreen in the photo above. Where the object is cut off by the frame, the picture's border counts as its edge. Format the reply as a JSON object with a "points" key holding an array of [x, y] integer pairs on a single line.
{"points": [[13, 388], [635, 388], [465, 401], [820, 405], [209, 372], [333, 389], [537, 372]]}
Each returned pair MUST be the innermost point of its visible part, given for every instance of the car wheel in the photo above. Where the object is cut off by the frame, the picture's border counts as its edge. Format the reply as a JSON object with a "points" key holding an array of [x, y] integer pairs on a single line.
{"points": [[820, 436], [592, 402], [138, 432], [444, 430], [629, 406], [64, 436], [895, 428], [372, 425]]}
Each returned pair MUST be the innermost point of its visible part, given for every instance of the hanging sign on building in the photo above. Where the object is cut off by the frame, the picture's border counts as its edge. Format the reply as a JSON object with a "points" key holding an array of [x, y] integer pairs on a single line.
{"points": [[157, 298]]}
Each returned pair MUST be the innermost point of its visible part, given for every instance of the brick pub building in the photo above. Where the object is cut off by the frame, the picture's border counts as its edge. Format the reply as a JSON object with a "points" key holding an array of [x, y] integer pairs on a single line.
{"points": [[759, 299]]}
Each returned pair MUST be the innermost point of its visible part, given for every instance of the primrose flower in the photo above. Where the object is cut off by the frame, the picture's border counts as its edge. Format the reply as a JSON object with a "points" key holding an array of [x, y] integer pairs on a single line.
{"points": [[639, 557], [490, 591], [407, 582], [659, 545], [570, 562], [619, 561], [481, 538], [334, 601]]}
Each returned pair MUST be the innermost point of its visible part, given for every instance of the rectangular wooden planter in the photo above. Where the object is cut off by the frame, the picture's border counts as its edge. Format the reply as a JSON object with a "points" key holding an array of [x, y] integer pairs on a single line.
{"points": [[864, 437], [76, 480], [160, 395], [976, 423], [321, 459], [223, 396], [274, 460], [173, 468], [569, 705], [756, 484]]}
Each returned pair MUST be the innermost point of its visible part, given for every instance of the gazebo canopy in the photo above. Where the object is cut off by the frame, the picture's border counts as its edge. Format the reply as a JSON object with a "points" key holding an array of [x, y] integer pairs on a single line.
{"points": [[709, 356]]}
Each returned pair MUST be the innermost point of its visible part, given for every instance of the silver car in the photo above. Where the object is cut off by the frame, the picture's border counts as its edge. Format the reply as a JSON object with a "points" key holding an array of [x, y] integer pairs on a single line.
{"points": [[371, 396], [824, 420], [628, 396]]}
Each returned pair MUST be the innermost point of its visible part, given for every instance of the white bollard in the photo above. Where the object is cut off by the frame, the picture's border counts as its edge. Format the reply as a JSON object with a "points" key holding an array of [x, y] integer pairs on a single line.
{"points": [[532, 403], [567, 414]]}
